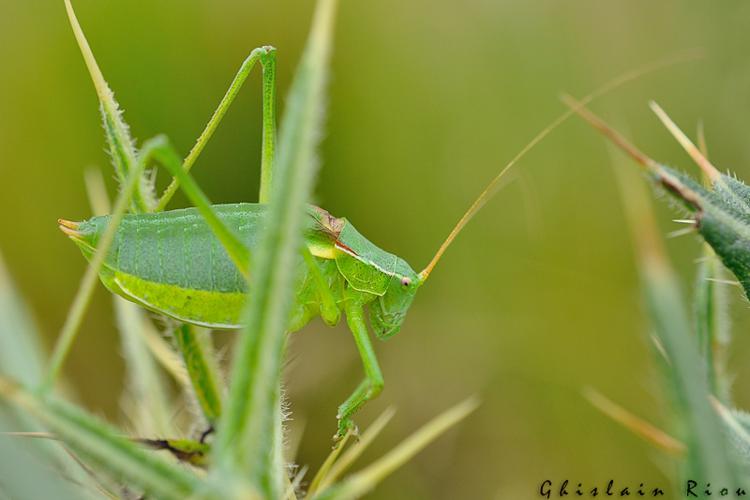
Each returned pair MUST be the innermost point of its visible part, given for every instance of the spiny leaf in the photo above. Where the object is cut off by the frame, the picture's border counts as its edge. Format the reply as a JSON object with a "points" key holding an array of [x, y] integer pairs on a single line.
{"points": [[721, 213]]}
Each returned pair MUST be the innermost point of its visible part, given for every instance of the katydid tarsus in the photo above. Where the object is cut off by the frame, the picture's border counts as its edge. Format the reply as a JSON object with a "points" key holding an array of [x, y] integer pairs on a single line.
{"points": [[192, 264]]}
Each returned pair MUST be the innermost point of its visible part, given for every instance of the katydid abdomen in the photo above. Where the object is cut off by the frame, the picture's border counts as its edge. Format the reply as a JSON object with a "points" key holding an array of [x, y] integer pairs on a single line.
{"points": [[172, 263]]}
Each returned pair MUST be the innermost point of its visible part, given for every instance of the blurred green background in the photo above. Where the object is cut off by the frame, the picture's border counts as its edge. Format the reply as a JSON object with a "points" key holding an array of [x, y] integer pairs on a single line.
{"points": [[536, 300]]}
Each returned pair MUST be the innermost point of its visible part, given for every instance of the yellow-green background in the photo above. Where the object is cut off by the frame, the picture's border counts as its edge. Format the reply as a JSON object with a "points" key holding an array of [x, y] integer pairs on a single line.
{"points": [[537, 299]]}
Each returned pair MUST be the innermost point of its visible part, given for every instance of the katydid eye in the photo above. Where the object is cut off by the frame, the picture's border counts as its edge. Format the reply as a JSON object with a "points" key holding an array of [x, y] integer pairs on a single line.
{"points": [[405, 281]]}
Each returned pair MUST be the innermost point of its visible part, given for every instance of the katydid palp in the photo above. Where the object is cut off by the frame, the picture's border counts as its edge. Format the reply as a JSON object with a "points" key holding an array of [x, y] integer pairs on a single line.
{"points": [[192, 264]]}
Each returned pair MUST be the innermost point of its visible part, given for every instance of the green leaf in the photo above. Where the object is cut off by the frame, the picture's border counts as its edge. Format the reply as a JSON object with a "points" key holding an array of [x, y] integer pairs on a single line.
{"points": [[101, 444], [248, 443], [121, 145]]}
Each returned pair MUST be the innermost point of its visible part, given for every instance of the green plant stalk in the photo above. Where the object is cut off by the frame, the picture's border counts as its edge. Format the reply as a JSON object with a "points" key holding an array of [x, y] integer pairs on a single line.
{"points": [[250, 424], [200, 370]]}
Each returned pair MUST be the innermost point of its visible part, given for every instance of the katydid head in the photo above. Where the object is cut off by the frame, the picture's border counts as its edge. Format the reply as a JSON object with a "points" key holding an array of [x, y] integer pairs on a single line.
{"points": [[388, 311]]}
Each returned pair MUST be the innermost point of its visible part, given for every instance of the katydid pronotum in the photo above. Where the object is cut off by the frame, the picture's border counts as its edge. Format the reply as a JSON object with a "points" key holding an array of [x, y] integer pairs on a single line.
{"points": [[192, 264]]}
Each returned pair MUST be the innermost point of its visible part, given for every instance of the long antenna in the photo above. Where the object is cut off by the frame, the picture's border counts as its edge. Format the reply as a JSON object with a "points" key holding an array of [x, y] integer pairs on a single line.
{"points": [[494, 186]]}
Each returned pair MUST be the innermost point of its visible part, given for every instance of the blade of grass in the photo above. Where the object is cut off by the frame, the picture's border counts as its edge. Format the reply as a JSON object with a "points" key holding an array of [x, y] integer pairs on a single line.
{"points": [[99, 443], [707, 458], [248, 441], [364, 481], [117, 131], [328, 463]]}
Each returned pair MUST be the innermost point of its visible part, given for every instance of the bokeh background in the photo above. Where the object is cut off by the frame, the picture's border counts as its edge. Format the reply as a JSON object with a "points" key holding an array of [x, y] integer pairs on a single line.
{"points": [[536, 300]]}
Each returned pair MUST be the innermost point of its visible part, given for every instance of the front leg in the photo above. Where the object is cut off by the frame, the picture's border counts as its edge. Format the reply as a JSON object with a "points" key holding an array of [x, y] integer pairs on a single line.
{"points": [[373, 382]]}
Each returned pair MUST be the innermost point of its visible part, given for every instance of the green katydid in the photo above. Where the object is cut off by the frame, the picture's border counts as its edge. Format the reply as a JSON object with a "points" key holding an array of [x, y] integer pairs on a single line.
{"points": [[192, 264]]}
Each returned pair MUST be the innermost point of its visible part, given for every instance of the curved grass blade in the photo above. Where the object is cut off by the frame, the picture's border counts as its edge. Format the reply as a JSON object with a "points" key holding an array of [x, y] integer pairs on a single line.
{"points": [[121, 145]]}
